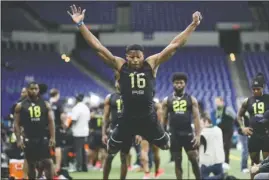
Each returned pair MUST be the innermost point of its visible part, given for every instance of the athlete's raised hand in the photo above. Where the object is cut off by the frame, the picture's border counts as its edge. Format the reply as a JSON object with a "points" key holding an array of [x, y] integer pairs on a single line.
{"points": [[77, 15], [196, 18]]}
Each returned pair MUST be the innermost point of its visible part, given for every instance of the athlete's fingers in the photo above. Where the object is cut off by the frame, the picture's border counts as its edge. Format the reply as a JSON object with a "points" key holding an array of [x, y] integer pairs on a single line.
{"points": [[69, 13], [75, 8], [72, 9]]}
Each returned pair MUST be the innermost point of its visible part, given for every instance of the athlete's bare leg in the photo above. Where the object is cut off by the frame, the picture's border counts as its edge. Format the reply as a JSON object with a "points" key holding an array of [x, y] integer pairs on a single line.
{"points": [[193, 158], [144, 156], [58, 158], [157, 160], [255, 159]]}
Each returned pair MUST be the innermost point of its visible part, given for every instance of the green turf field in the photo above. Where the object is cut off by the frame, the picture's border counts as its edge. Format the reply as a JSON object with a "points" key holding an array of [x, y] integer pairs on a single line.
{"points": [[169, 169]]}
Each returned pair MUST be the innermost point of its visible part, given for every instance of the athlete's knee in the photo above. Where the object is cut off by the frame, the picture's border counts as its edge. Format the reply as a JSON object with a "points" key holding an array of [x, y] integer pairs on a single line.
{"points": [[110, 158], [123, 157], [193, 156], [163, 142]]}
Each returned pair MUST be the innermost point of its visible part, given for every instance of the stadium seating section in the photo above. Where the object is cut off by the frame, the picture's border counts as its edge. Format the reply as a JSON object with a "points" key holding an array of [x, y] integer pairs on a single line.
{"points": [[145, 16], [174, 16], [14, 19], [205, 66], [45, 67], [97, 12], [257, 62]]}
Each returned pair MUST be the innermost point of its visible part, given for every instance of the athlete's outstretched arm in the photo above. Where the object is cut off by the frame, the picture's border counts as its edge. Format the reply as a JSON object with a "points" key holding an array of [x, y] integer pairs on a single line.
{"points": [[159, 109], [196, 116], [17, 120], [105, 118], [240, 119], [177, 42], [197, 126], [51, 125], [165, 112], [241, 113], [78, 16]]}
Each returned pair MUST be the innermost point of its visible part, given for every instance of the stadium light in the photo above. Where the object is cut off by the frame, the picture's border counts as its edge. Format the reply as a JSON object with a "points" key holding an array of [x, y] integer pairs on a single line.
{"points": [[63, 56], [67, 59], [95, 99], [232, 57], [70, 101]]}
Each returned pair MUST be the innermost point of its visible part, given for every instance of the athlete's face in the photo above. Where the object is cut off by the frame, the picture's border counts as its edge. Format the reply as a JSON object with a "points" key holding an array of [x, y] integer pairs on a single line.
{"points": [[23, 92], [257, 91], [135, 58], [179, 86], [33, 90]]}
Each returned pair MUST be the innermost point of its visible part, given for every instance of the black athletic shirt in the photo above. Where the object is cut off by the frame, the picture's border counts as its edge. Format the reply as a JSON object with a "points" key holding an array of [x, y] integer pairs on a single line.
{"points": [[115, 103], [34, 118], [256, 107], [96, 122], [57, 110], [180, 113], [137, 90]]}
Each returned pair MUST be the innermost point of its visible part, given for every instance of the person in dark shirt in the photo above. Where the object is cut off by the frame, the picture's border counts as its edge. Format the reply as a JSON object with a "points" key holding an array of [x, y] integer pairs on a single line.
{"points": [[179, 109], [258, 130], [59, 118], [35, 116]]}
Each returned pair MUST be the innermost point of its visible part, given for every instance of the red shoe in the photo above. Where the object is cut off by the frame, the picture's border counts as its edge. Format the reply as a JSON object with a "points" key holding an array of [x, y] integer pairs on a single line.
{"points": [[129, 168], [147, 176], [98, 164], [159, 173]]}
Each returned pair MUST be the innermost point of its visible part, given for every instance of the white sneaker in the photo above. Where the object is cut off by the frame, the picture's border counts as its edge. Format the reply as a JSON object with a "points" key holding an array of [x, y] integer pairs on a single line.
{"points": [[245, 170], [147, 176], [225, 166]]}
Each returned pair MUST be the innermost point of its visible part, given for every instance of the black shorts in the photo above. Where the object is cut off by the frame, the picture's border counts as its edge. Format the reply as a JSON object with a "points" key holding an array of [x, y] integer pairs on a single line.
{"points": [[95, 140], [258, 143], [180, 140], [148, 127], [60, 137], [36, 149]]}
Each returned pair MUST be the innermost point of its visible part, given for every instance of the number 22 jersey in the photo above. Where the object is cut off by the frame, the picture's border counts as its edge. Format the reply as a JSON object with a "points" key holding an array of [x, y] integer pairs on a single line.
{"points": [[137, 90]]}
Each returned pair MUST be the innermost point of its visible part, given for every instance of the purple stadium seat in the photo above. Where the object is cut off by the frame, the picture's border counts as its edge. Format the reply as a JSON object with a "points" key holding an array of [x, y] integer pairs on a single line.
{"points": [[175, 16], [47, 68], [97, 12]]}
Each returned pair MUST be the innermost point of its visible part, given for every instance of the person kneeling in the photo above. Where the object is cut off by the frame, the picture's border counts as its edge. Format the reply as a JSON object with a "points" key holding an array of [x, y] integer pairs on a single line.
{"points": [[211, 151]]}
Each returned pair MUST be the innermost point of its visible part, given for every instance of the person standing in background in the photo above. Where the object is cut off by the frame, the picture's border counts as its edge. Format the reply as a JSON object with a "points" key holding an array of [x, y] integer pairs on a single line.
{"points": [[80, 118], [59, 117], [225, 117], [244, 142]]}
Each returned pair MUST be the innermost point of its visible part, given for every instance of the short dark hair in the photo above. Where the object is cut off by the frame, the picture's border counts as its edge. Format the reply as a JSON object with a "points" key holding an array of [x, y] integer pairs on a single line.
{"points": [[31, 83], [206, 118], [79, 97], [54, 92], [179, 76], [135, 47]]}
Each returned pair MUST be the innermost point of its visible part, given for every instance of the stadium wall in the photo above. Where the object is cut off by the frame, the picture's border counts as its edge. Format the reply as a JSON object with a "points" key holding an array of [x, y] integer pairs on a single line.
{"points": [[67, 40]]}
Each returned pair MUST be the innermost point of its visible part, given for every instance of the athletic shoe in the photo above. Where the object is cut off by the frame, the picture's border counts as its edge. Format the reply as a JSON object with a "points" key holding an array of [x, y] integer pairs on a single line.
{"points": [[147, 176], [245, 170], [159, 173]]}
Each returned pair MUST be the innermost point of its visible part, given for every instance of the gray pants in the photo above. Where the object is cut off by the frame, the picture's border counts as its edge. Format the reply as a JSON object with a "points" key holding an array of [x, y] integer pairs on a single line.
{"points": [[261, 176], [79, 150]]}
